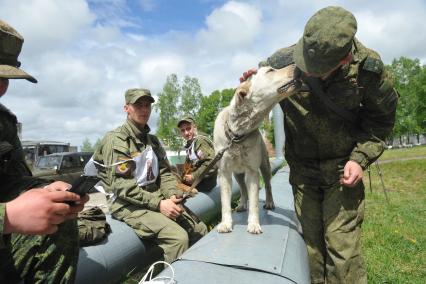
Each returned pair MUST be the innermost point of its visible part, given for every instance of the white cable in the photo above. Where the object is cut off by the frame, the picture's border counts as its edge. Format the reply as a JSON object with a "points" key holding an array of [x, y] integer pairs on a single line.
{"points": [[158, 279]]}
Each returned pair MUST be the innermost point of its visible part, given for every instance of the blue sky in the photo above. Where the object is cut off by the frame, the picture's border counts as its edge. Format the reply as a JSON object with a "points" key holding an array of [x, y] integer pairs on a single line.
{"points": [[153, 17], [86, 53]]}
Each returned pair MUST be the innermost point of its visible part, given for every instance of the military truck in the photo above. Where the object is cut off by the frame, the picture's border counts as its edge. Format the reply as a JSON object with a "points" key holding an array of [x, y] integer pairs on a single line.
{"points": [[33, 149]]}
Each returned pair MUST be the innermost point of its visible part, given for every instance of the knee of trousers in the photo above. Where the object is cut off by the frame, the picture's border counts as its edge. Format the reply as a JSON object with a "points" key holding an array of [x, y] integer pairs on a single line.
{"points": [[178, 238]]}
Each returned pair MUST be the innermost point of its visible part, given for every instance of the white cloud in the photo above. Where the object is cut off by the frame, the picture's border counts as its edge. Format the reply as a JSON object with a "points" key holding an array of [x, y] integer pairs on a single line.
{"points": [[393, 33], [154, 70], [231, 26], [69, 83], [47, 24]]}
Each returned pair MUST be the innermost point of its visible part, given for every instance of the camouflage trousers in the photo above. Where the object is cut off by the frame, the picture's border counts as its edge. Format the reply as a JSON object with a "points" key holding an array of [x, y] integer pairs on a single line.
{"points": [[173, 237], [331, 218], [41, 259]]}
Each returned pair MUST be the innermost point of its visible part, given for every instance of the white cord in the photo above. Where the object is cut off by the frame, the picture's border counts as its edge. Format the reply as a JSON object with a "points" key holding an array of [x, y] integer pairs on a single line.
{"points": [[158, 279]]}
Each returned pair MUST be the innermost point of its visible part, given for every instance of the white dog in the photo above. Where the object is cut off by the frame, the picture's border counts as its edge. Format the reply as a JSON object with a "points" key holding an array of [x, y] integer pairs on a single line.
{"points": [[239, 123]]}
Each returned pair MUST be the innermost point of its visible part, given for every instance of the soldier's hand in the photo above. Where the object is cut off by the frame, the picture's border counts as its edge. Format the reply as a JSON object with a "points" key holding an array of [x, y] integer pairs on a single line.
{"points": [[176, 199], [39, 211], [58, 186], [352, 174], [248, 74], [170, 208], [77, 206]]}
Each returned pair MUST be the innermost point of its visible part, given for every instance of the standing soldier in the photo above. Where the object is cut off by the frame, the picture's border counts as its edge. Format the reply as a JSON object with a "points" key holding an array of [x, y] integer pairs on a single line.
{"points": [[37, 243], [335, 127], [199, 154], [134, 169]]}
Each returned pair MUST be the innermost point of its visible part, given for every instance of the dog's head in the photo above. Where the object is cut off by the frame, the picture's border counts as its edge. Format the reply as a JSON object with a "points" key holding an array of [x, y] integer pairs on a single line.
{"points": [[254, 98]]}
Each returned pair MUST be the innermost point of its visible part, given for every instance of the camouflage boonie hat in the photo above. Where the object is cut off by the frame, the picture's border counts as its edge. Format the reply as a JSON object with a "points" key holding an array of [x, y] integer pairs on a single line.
{"points": [[326, 40], [132, 95], [186, 119], [10, 47]]}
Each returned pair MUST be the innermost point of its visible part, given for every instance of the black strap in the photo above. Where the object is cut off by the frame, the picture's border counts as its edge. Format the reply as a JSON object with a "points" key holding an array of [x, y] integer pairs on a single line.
{"points": [[314, 84]]}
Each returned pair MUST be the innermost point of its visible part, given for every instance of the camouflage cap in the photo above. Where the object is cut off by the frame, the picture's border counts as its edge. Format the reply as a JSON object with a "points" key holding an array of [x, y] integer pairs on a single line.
{"points": [[326, 40], [10, 47], [186, 119], [132, 95]]}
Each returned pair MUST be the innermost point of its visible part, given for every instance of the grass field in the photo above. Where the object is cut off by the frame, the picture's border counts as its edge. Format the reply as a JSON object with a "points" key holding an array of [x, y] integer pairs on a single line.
{"points": [[394, 234]]}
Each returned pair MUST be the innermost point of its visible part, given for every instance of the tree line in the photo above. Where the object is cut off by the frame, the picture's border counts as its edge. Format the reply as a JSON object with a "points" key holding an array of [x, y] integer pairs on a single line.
{"points": [[177, 100], [185, 98], [410, 82]]}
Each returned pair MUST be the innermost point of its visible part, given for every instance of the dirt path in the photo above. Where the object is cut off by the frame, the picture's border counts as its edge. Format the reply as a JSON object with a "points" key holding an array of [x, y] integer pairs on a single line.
{"points": [[401, 159]]}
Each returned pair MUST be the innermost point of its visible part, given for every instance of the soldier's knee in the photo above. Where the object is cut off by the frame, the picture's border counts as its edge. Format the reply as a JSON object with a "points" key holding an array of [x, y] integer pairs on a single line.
{"points": [[202, 228], [181, 239]]}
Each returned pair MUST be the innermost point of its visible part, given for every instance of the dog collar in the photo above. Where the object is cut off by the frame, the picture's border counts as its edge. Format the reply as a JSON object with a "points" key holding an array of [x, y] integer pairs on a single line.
{"points": [[232, 136]]}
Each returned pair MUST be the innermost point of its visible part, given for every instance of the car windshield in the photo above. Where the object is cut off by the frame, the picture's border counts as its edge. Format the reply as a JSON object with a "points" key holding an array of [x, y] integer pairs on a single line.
{"points": [[48, 162]]}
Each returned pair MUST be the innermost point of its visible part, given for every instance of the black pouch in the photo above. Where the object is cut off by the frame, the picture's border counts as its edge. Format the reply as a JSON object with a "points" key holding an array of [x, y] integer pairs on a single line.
{"points": [[92, 226]]}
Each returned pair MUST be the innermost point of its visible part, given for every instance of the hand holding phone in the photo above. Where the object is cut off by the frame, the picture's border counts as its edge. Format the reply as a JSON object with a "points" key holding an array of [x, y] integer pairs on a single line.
{"points": [[82, 185]]}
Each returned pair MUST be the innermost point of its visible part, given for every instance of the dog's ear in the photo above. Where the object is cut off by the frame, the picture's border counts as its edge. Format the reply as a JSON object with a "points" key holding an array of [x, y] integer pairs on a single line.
{"points": [[242, 91]]}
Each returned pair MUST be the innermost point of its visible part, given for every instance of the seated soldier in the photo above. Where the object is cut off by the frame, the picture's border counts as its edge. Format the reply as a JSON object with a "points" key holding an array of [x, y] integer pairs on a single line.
{"points": [[199, 154], [135, 172]]}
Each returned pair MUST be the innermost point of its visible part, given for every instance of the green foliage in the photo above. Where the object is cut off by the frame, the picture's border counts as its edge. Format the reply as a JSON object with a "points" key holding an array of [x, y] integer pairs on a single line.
{"points": [[410, 82], [176, 101], [167, 105], [210, 107], [269, 130], [191, 97], [87, 146]]}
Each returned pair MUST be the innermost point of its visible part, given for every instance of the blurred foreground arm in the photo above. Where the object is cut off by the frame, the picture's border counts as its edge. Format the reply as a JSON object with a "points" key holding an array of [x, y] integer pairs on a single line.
{"points": [[39, 211]]}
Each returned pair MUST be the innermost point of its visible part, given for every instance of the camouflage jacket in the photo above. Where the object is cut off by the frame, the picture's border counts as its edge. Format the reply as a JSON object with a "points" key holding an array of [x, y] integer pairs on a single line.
{"points": [[121, 144], [317, 136], [14, 174], [199, 153]]}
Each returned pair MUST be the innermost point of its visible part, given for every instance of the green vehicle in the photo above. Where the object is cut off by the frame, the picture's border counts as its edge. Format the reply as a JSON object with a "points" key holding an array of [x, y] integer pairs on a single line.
{"points": [[33, 149], [66, 166]]}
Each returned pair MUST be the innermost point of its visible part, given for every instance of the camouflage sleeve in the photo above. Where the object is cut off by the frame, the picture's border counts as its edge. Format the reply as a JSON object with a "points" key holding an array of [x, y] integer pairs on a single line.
{"points": [[166, 181], [377, 114], [120, 180], [205, 154], [2, 215]]}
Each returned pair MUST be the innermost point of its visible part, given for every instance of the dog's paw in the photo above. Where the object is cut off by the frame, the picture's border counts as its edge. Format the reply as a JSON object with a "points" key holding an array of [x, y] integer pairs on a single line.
{"points": [[269, 205], [254, 228], [241, 207], [224, 227]]}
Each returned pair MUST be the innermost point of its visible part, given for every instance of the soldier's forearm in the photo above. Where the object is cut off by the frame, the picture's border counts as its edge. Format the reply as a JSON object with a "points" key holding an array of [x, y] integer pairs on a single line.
{"points": [[367, 152]]}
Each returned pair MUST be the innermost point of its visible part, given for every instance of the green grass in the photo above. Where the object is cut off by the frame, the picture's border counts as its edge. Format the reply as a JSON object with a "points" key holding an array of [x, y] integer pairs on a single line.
{"points": [[394, 234]]}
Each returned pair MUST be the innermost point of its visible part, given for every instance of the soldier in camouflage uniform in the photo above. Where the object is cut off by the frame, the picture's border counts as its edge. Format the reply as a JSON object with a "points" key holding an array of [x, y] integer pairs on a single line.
{"points": [[149, 205], [326, 151], [199, 153], [37, 243]]}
